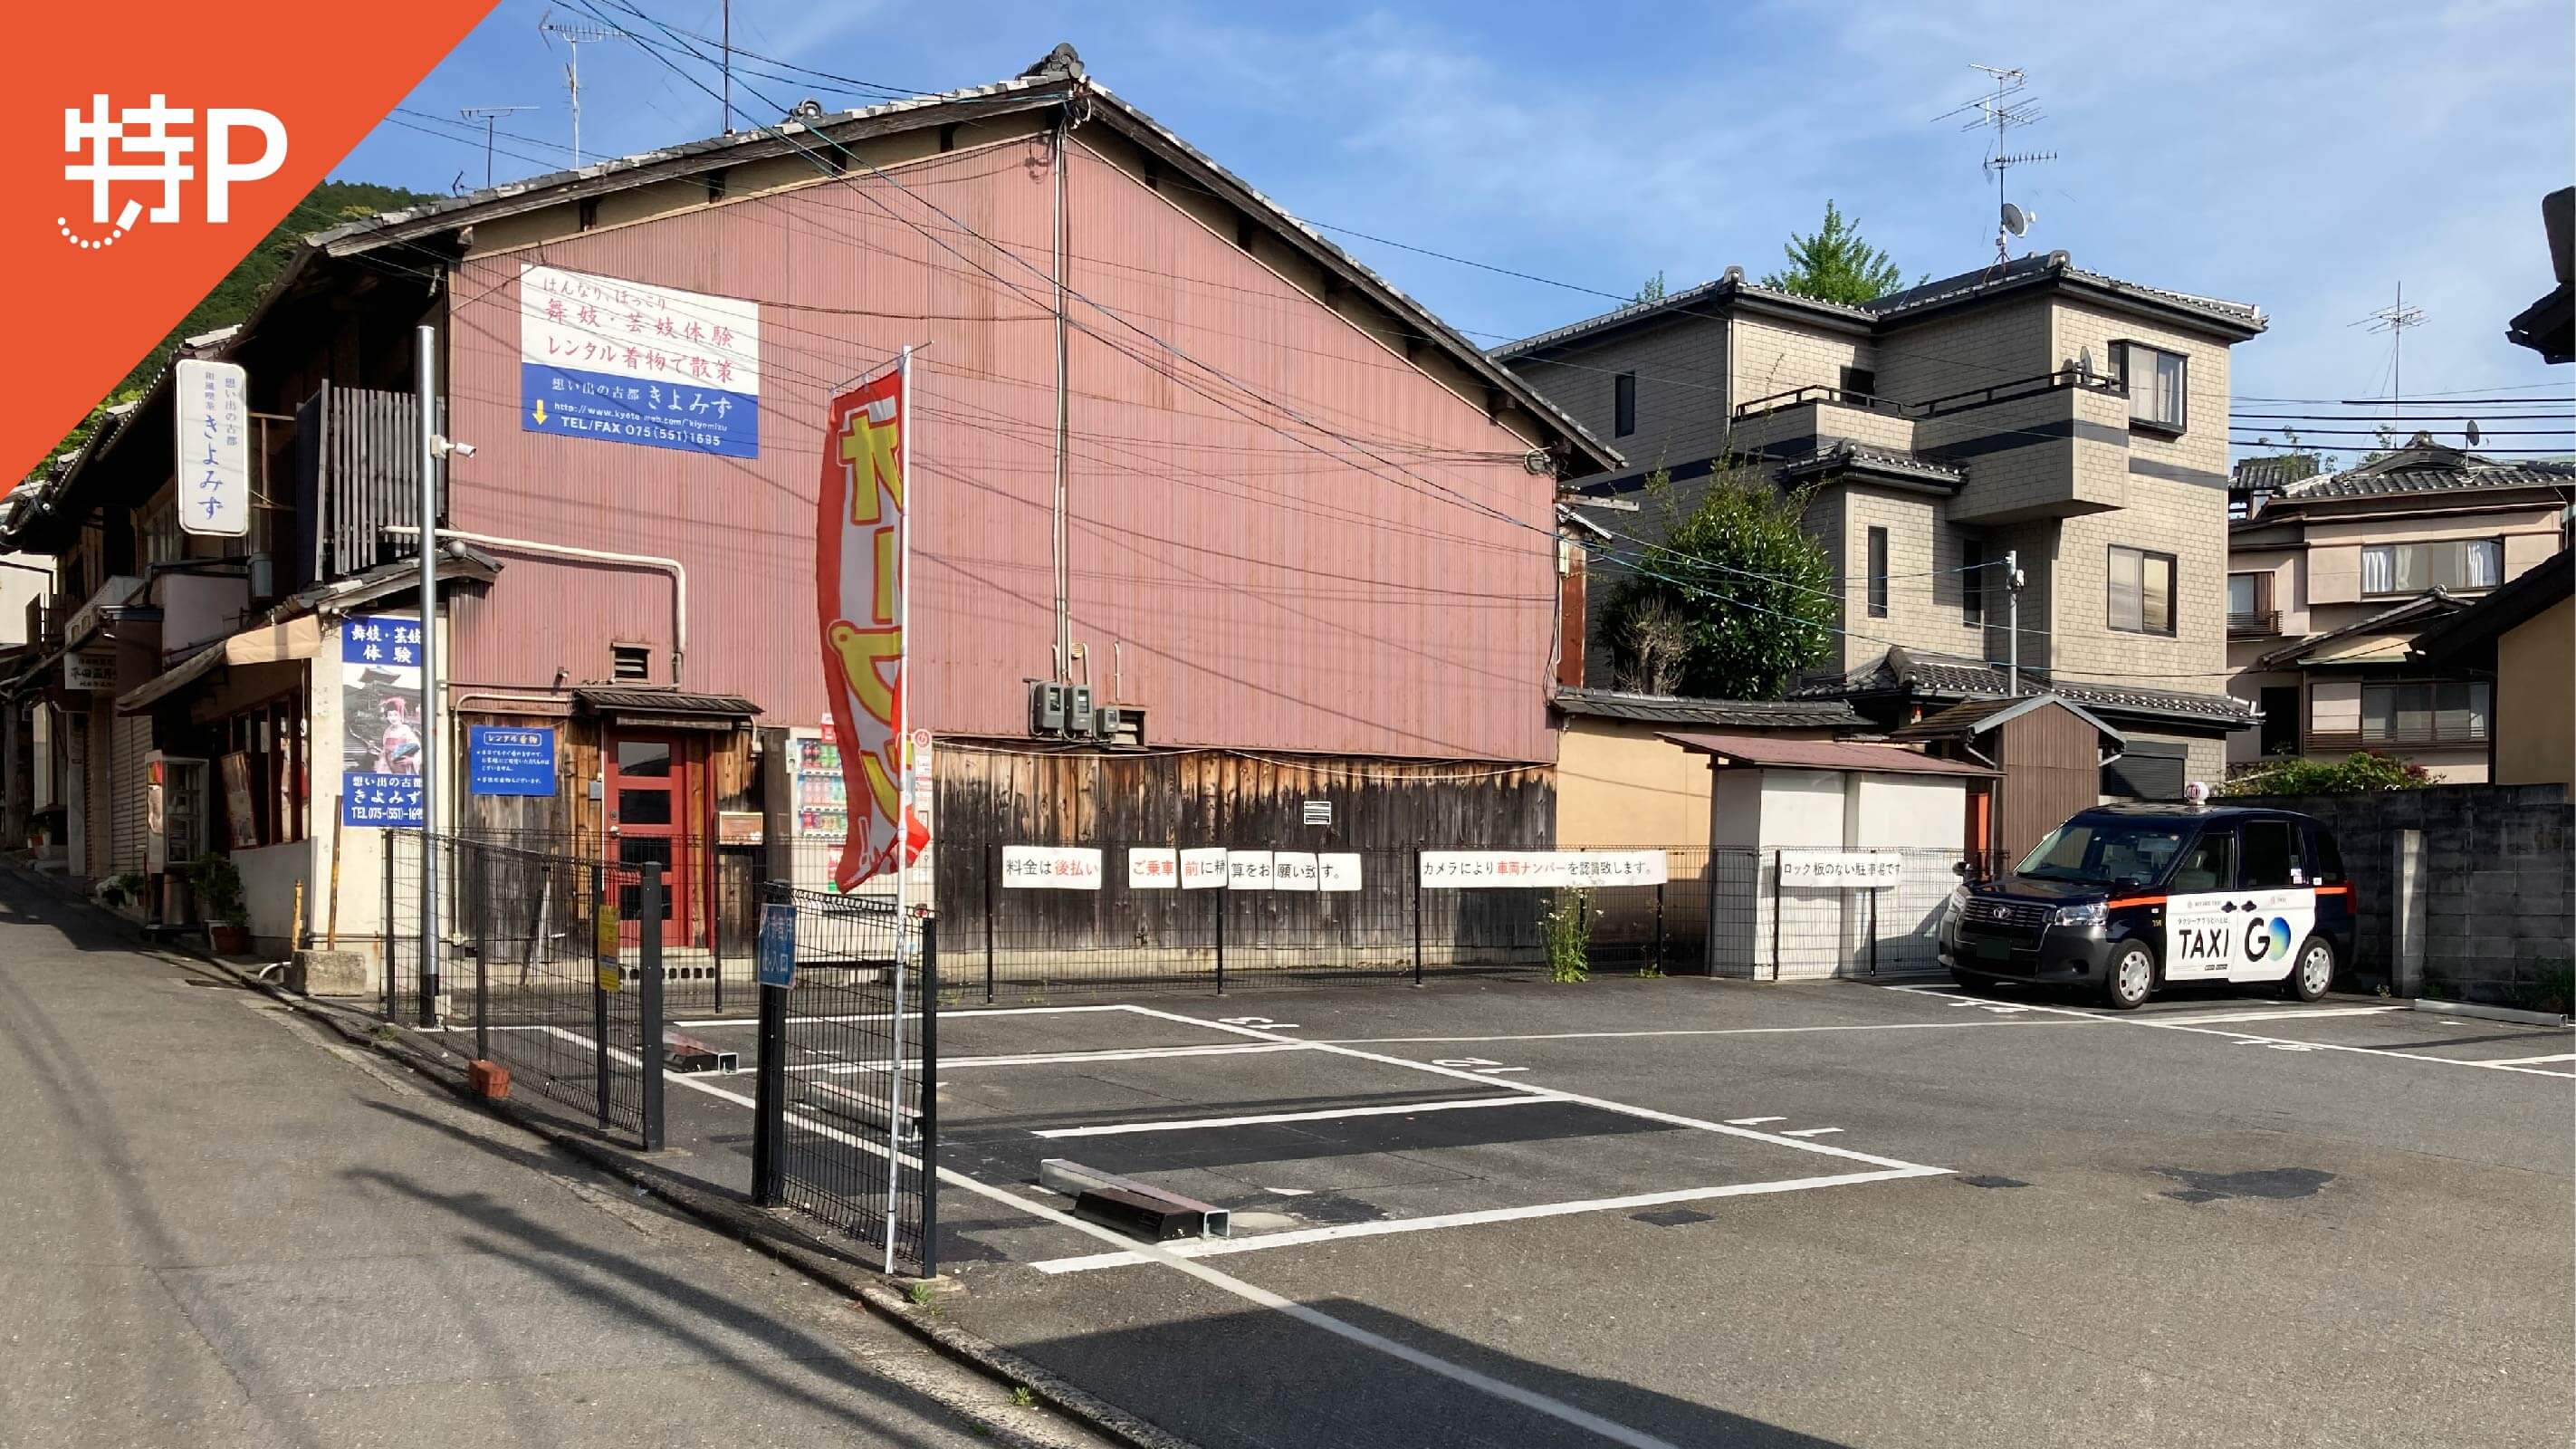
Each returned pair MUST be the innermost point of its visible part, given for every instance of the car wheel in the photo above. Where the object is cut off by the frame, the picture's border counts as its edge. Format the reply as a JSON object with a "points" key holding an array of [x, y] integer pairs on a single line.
{"points": [[2315, 971], [2132, 978]]}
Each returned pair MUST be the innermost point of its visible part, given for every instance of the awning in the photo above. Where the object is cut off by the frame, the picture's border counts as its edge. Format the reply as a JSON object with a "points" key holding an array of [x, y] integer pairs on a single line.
{"points": [[666, 708], [299, 638]]}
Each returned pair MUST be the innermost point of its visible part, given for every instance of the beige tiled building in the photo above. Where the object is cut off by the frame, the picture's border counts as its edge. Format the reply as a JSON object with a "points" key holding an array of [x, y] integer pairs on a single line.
{"points": [[2330, 579], [2072, 421]]}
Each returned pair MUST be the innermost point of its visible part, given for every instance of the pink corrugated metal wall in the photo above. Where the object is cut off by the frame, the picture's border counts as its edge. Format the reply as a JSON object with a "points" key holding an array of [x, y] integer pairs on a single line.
{"points": [[1341, 584]]}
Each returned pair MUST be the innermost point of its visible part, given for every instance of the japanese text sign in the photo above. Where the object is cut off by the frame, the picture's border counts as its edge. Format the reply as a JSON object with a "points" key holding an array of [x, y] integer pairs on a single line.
{"points": [[1203, 868], [1840, 869], [625, 362], [1051, 867], [859, 602], [1153, 869], [777, 950], [212, 404], [510, 760], [1546, 869]]}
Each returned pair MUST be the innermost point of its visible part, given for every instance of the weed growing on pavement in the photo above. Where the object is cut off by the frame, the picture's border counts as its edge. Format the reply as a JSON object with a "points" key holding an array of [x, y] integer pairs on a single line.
{"points": [[1022, 1397], [1567, 930], [920, 1294]]}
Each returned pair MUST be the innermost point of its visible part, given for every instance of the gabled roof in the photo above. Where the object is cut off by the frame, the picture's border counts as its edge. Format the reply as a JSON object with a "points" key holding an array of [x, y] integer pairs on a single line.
{"points": [[1977, 716], [1758, 751], [1902, 671], [1735, 713], [2401, 620], [2477, 626], [1056, 79], [2422, 466], [1884, 465], [2235, 320]]}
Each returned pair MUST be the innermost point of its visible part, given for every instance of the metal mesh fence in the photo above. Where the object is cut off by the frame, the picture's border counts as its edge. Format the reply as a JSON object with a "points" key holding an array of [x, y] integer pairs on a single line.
{"points": [[540, 964], [855, 1053]]}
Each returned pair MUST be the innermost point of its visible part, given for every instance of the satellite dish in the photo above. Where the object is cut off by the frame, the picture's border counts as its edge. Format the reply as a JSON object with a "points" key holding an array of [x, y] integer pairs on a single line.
{"points": [[2018, 221], [2473, 433]]}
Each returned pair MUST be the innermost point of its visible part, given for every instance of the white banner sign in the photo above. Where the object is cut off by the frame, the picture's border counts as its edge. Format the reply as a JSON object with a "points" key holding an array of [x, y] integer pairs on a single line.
{"points": [[1051, 867], [1840, 869], [1203, 868], [213, 404], [1292, 870], [1505, 869], [1338, 871], [90, 671], [1247, 870], [625, 362], [1153, 870]]}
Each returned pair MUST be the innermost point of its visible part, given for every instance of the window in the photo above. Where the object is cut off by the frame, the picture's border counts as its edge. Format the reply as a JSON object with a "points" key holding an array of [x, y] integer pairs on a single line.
{"points": [[2157, 381], [1878, 573], [2411, 568], [2210, 865], [2142, 591], [586, 213], [2326, 856], [2424, 713], [1623, 404], [2271, 854], [259, 773], [2280, 719], [630, 663], [2103, 852], [2245, 594], [1860, 382], [1972, 581]]}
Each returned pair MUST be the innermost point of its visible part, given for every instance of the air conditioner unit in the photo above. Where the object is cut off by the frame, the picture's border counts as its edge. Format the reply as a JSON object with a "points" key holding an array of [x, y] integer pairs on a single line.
{"points": [[1046, 707], [1077, 711]]}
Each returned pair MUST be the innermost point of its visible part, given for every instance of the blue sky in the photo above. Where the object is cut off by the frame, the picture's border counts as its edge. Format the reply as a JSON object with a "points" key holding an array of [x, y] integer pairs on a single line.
{"points": [[2305, 156]]}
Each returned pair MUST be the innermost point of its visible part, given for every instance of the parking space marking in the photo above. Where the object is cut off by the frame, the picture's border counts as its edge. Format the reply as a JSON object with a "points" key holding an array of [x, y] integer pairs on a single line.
{"points": [[1299, 1237], [1037, 1059], [1752, 1121], [2529, 1061], [881, 1016], [1121, 1129], [1811, 1132], [2250, 1038], [1674, 1031], [2274, 1014]]}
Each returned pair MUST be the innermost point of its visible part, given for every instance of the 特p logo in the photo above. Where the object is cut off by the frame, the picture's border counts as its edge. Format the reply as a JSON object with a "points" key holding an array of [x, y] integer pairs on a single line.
{"points": [[141, 147]]}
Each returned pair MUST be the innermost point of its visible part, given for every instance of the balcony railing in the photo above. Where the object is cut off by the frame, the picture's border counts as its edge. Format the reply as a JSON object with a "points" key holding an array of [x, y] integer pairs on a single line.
{"points": [[2345, 742], [2063, 379], [2260, 624]]}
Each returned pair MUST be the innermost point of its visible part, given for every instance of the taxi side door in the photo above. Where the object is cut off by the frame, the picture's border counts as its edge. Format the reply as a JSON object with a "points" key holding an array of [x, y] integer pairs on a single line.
{"points": [[2276, 899]]}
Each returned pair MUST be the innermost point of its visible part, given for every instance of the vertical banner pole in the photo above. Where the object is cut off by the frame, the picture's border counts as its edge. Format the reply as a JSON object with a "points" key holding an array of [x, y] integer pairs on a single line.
{"points": [[648, 999], [385, 841], [927, 1143], [603, 932], [903, 809], [425, 373]]}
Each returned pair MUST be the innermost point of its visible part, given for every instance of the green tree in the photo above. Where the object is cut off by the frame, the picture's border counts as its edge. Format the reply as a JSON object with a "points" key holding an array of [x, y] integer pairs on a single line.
{"points": [[1737, 591], [1835, 264], [1651, 291]]}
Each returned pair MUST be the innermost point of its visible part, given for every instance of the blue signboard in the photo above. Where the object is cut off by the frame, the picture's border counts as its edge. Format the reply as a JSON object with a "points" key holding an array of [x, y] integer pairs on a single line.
{"points": [[368, 798], [616, 361], [777, 959], [510, 760]]}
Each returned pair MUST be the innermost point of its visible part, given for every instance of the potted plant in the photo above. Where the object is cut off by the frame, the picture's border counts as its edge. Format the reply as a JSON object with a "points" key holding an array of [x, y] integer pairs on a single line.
{"points": [[217, 882]]}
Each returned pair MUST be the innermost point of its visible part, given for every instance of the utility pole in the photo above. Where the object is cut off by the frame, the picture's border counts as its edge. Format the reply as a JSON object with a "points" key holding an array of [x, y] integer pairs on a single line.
{"points": [[574, 38], [2012, 622], [490, 116], [728, 84], [434, 450], [2394, 320]]}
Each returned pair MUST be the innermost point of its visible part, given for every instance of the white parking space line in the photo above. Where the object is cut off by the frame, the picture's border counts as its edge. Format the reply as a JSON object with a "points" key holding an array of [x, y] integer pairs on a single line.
{"points": [[956, 1015], [1033, 1059], [2251, 1038], [1122, 1129], [1625, 1109], [2275, 1014], [1673, 1031], [1811, 1132], [2528, 1061], [1752, 1121], [1299, 1237]]}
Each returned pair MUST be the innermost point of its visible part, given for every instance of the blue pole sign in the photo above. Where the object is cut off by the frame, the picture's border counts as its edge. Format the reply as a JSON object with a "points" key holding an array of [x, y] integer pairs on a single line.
{"points": [[510, 760], [777, 964]]}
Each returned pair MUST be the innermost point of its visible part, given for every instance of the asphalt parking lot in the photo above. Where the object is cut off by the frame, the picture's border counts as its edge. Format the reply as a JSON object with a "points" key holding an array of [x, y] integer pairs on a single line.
{"points": [[1687, 1212]]}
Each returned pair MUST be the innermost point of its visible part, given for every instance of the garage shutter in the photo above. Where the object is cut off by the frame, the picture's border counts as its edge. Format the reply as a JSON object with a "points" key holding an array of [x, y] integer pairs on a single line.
{"points": [[126, 773], [2147, 770]]}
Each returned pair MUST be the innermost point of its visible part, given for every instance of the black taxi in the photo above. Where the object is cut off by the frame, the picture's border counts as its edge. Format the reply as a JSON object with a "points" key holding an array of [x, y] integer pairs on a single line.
{"points": [[2126, 899]]}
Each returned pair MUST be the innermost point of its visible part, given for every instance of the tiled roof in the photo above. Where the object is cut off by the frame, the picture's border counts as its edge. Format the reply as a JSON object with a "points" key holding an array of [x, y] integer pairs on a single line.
{"points": [[607, 700], [1822, 755], [2425, 466], [1848, 454], [2425, 608], [1903, 670], [1737, 713], [1976, 716]]}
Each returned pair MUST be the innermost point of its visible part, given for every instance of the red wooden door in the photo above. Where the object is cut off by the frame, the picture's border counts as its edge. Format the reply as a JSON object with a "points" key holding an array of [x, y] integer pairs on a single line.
{"points": [[650, 779]]}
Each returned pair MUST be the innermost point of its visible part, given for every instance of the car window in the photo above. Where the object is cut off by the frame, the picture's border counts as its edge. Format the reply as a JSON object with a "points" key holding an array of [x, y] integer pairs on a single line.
{"points": [[2209, 865], [2271, 856], [2327, 855], [2104, 852]]}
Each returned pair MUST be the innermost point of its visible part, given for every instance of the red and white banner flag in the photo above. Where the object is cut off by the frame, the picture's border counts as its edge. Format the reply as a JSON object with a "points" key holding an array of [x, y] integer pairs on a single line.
{"points": [[859, 583]]}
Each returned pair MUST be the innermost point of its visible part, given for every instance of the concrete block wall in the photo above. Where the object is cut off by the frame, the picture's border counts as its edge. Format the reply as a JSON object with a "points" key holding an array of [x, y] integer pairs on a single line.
{"points": [[1932, 358], [1682, 404], [1922, 601], [2184, 520], [2493, 877], [1774, 357]]}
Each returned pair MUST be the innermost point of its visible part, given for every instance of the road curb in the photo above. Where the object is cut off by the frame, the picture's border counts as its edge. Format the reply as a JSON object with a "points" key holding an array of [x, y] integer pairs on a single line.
{"points": [[2489, 1013], [770, 1236]]}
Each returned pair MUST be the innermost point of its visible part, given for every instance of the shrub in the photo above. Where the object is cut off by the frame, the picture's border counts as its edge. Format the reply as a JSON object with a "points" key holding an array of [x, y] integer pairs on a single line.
{"points": [[1567, 929], [2363, 773], [218, 884]]}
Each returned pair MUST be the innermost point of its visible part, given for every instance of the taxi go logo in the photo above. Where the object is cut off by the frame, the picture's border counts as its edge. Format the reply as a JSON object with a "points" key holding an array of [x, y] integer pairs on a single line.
{"points": [[2264, 936], [124, 154]]}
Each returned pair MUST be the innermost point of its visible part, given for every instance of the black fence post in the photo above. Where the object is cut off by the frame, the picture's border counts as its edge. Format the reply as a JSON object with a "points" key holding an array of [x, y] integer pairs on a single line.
{"points": [[1873, 933], [386, 839], [1224, 888], [716, 927], [481, 901], [1775, 915], [648, 997], [992, 863], [1417, 915], [603, 959], [1659, 926], [926, 1082], [769, 1095]]}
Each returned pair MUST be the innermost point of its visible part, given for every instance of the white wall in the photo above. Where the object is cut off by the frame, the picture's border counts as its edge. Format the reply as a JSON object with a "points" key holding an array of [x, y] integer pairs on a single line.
{"points": [[1928, 811], [1823, 933], [269, 877]]}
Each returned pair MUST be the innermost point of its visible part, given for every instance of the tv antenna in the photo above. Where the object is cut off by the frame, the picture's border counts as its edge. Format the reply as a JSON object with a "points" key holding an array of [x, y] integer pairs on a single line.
{"points": [[2003, 110], [2394, 319], [490, 116], [574, 38]]}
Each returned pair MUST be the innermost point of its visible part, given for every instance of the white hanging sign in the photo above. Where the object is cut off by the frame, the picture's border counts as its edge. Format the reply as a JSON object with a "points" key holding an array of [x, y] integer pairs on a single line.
{"points": [[1247, 870], [1203, 868], [1051, 867], [1292, 870], [1153, 869], [1840, 869], [212, 401], [1338, 871], [1522, 869]]}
